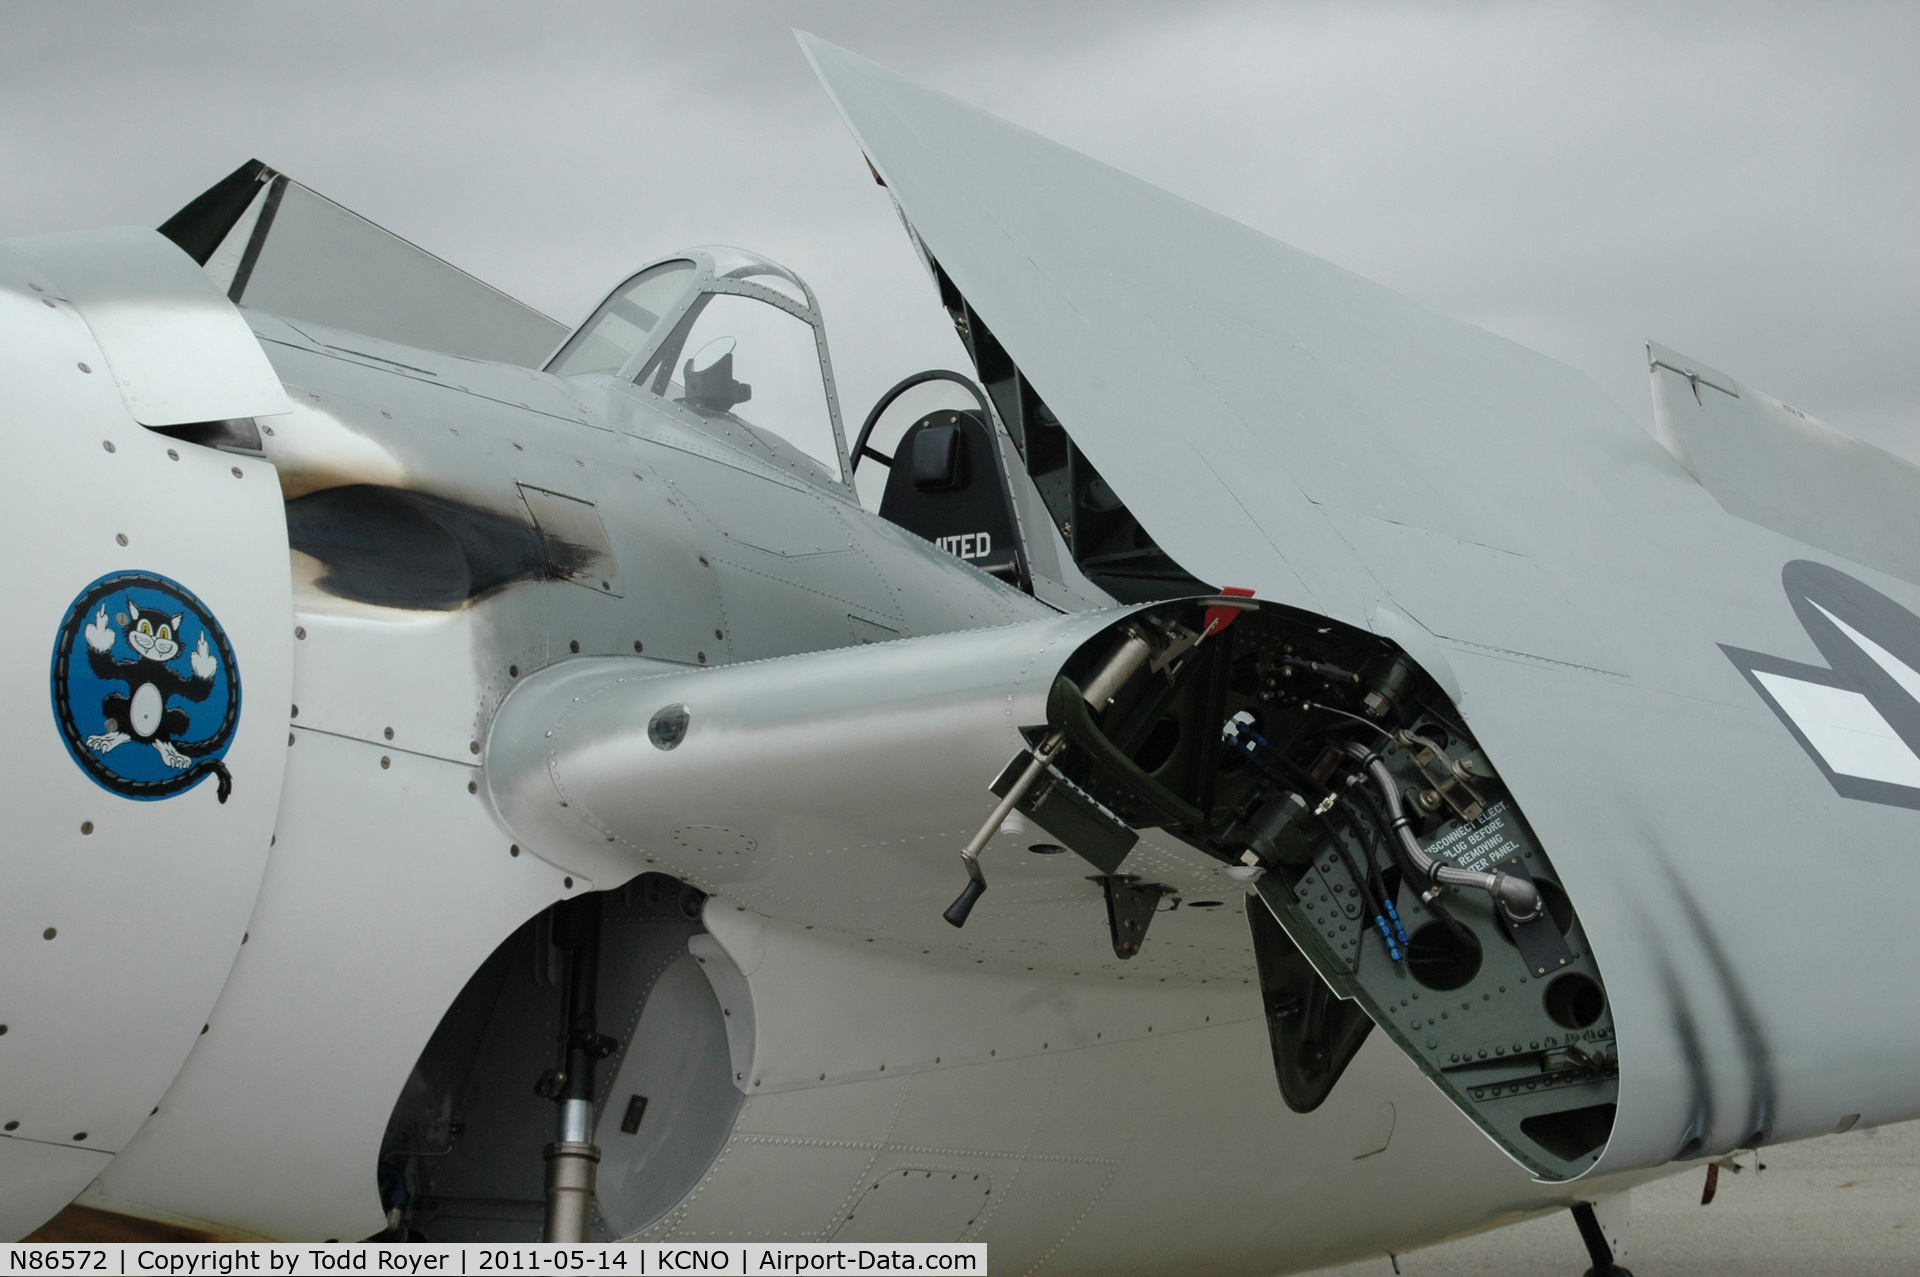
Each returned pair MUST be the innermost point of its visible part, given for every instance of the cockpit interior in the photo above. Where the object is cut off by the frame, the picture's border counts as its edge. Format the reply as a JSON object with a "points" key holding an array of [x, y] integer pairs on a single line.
{"points": [[732, 340]]}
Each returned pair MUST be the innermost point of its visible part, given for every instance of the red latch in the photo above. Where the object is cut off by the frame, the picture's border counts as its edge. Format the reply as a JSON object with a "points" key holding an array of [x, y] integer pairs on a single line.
{"points": [[1221, 615]]}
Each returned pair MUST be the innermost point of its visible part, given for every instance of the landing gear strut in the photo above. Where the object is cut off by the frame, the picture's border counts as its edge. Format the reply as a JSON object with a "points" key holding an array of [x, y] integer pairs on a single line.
{"points": [[1597, 1248], [572, 1159]]}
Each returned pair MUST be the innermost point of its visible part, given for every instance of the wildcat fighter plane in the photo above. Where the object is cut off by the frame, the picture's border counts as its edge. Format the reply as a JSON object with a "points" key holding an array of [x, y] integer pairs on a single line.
{"points": [[1283, 777]]}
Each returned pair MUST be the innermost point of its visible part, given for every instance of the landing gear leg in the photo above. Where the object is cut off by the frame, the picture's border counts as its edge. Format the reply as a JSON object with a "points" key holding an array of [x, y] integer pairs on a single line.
{"points": [[572, 1159], [1597, 1248]]}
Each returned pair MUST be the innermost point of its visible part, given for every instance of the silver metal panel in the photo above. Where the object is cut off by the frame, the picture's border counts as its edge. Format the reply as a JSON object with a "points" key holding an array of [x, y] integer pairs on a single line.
{"points": [[735, 998], [786, 753], [174, 346], [385, 864], [502, 383], [38, 1180], [1782, 469], [788, 528], [678, 1061], [1077, 1100], [124, 906], [935, 1199], [321, 262], [575, 522], [387, 426], [424, 682], [791, 572], [1477, 594]]}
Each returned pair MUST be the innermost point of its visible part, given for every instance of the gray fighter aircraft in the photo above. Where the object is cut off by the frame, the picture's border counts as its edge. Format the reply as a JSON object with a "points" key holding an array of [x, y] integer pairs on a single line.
{"points": [[494, 781]]}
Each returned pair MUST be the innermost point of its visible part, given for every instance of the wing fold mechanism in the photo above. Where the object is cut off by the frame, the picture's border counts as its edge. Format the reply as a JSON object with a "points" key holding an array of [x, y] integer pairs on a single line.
{"points": [[1103, 537], [1399, 883], [1073, 816]]}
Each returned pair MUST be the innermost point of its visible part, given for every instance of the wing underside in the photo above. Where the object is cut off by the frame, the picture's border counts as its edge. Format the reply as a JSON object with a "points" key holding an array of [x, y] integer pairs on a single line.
{"points": [[1251, 415], [274, 244]]}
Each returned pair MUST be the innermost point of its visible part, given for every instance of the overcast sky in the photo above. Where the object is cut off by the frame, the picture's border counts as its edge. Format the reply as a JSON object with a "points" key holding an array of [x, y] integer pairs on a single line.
{"points": [[1739, 182]]}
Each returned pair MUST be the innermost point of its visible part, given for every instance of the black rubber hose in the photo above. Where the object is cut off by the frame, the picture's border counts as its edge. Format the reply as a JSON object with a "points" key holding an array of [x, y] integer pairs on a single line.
{"points": [[1434, 908], [1445, 918], [1283, 770], [1377, 818], [1272, 759], [1370, 815], [1361, 839]]}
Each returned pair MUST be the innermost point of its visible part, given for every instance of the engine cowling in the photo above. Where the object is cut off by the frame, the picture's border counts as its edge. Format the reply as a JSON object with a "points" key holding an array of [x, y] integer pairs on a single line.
{"points": [[147, 578]]}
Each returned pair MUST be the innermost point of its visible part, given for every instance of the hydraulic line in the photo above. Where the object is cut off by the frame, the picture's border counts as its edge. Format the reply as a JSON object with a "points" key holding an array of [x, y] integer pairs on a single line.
{"points": [[1283, 770], [1298, 777], [1368, 900], [1362, 838], [1376, 824], [1517, 899], [1386, 917], [1377, 820]]}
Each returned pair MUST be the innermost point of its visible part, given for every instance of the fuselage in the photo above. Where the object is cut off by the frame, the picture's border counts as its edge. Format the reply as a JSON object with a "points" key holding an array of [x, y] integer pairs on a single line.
{"points": [[283, 978], [619, 632], [1141, 1124]]}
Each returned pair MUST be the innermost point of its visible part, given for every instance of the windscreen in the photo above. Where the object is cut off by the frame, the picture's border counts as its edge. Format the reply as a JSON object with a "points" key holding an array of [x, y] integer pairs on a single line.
{"points": [[742, 359]]}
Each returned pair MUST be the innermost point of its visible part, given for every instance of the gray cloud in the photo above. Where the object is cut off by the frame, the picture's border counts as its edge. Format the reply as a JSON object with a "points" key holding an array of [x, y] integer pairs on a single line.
{"points": [[1739, 182]]}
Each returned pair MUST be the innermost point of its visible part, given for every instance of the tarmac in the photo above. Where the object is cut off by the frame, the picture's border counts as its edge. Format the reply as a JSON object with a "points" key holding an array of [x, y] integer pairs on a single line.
{"points": [[1840, 1206]]}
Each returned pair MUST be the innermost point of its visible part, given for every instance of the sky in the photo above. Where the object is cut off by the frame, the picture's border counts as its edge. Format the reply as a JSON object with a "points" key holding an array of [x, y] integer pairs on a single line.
{"points": [[1739, 182]]}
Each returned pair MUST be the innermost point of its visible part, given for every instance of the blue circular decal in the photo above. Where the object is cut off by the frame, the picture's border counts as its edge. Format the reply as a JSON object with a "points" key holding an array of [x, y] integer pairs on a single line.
{"points": [[145, 687]]}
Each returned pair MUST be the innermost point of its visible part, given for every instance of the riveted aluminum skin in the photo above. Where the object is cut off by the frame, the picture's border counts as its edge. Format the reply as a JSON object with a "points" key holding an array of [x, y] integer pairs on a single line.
{"points": [[126, 902], [787, 755]]}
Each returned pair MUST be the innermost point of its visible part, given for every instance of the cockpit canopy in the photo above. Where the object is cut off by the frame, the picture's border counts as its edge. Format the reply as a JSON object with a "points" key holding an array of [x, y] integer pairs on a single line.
{"points": [[730, 338]]}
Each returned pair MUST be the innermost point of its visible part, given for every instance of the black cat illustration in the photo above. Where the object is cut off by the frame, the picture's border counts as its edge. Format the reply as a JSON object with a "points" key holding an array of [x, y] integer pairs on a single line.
{"points": [[143, 714]]}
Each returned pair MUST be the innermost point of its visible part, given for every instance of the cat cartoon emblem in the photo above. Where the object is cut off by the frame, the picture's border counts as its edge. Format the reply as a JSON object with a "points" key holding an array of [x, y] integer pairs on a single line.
{"points": [[146, 691]]}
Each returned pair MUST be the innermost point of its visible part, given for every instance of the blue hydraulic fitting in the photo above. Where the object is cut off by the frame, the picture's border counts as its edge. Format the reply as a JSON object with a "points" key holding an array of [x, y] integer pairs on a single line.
{"points": [[1398, 929], [1386, 936]]}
